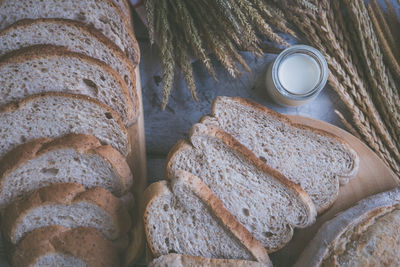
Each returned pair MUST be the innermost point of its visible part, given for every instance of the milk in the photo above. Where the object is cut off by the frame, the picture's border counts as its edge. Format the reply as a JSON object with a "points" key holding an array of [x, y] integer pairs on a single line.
{"points": [[299, 73]]}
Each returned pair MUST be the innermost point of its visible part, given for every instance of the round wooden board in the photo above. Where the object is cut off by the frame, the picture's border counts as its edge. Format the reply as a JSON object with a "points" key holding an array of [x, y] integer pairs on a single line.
{"points": [[373, 177]]}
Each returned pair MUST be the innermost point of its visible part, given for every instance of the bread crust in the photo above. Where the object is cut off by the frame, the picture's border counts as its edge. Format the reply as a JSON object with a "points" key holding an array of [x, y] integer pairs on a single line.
{"points": [[91, 32], [174, 259], [83, 243], [66, 194], [42, 51], [202, 191], [246, 155], [14, 106], [83, 144], [162, 188], [343, 178], [366, 209]]}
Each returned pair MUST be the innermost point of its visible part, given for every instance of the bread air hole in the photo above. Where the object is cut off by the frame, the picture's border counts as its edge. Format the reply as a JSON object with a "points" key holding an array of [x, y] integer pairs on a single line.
{"points": [[246, 212], [49, 171], [91, 85], [108, 115]]}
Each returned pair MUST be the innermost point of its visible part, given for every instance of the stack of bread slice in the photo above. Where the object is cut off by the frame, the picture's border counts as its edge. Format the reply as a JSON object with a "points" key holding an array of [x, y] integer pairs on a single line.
{"points": [[67, 97], [240, 184]]}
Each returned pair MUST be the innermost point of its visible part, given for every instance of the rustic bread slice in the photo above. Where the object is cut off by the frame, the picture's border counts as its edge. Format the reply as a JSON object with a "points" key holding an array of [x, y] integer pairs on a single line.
{"points": [[60, 246], [69, 205], [368, 234], [263, 200], [316, 160], [43, 68], [57, 114], [104, 15], [179, 260], [76, 37], [186, 217], [73, 158]]}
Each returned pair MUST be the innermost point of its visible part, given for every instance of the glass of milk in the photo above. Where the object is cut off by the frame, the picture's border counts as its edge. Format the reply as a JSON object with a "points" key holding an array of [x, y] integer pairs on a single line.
{"points": [[297, 76]]}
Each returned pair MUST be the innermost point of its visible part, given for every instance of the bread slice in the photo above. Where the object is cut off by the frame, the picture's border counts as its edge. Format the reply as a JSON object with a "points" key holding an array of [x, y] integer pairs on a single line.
{"points": [[104, 15], [185, 217], [43, 68], [73, 158], [76, 37], [179, 260], [368, 234], [57, 114], [263, 200], [60, 246], [314, 159], [69, 205]]}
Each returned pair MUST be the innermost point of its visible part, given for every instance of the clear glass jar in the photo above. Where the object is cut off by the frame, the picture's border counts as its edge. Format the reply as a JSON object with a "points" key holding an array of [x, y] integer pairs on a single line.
{"points": [[274, 84]]}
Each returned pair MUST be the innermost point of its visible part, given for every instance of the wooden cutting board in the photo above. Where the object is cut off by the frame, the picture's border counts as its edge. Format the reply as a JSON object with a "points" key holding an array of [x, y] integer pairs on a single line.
{"points": [[373, 177]]}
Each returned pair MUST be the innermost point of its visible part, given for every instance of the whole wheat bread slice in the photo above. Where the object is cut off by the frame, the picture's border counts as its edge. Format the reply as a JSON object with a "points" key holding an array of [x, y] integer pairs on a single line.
{"points": [[60, 246], [263, 200], [57, 114], [73, 158], [69, 205], [179, 260], [312, 158], [367, 234], [76, 37], [186, 217], [104, 15], [44, 68]]}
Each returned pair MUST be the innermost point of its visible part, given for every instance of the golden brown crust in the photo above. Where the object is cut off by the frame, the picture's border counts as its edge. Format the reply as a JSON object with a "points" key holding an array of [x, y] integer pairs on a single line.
{"points": [[82, 143], [248, 156], [11, 107], [228, 220], [51, 51], [83, 243], [93, 33], [66, 194], [150, 195], [362, 214], [283, 118]]}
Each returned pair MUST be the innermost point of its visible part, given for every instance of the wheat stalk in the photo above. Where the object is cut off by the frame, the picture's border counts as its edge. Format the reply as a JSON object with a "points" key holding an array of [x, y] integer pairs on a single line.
{"points": [[150, 6], [384, 91], [393, 64], [167, 56], [347, 124]]}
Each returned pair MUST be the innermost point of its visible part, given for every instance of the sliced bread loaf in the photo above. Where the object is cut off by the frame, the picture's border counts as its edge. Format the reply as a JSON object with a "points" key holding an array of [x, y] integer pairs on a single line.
{"points": [[57, 114], [60, 246], [104, 15], [74, 158], [263, 200], [179, 260], [368, 234], [76, 37], [185, 217], [43, 68], [69, 205], [316, 160]]}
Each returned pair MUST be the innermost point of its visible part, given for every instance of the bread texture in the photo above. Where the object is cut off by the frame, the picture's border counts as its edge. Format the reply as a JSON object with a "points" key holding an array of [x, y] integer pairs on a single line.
{"points": [[57, 114], [179, 260], [69, 205], [263, 200], [316, 160], [60, 246], [46, 68], [104, 15], [74, 36], [73, 158], [185, 217], [368, 234]]}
